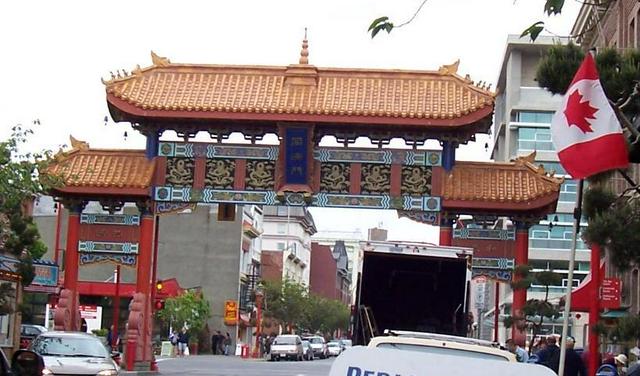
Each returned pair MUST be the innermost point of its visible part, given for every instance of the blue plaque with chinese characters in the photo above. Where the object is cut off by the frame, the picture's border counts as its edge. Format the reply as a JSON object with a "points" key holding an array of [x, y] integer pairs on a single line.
{"points": [[296, 155]]}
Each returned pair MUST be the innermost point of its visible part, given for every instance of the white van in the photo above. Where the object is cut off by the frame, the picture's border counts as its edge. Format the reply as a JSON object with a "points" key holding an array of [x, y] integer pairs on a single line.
{"points": [[441, 344], [366, 361]]}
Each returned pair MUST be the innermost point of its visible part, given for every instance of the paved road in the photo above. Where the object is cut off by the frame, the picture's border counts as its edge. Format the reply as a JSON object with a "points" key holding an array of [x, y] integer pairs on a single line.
{"points": [[235, 366]]}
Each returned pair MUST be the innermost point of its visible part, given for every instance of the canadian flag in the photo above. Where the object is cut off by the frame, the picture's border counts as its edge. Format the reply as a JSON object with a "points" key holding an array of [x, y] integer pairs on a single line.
{"points": [[585, 130]]}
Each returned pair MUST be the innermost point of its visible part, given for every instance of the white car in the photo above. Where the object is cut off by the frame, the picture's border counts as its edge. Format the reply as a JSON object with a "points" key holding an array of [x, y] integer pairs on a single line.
{"points": [[319, 346], [287, 346], [74, 353], [441, 344], [334, 348]]}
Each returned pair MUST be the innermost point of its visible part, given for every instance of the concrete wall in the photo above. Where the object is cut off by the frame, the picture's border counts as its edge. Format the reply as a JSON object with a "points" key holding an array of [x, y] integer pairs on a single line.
{"points": [[202, 252], [195, 248]]}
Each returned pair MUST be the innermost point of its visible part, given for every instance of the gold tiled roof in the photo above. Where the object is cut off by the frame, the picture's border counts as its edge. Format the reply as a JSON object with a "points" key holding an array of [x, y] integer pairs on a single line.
{"points": [[301, 89], [517, 182], [95, 168]]}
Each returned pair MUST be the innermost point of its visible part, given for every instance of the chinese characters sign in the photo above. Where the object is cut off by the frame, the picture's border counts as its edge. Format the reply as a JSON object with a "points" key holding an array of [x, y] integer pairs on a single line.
{"points": [[230, 312], [296, 155]]}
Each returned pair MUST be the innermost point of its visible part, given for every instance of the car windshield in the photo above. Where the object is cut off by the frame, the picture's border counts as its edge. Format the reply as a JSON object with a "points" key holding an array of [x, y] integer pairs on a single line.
{"points": [[70, 346], [315, 340], [347, 342], [305, 343], [333, 344], [441, 350], [285, 341]]}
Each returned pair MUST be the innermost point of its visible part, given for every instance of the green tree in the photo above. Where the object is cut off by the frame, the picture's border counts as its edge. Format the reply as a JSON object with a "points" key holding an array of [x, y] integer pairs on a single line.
{"points": [[189, 309], [21, 181], [325, 315], [286, 301], [535, 311], [551, 8]]}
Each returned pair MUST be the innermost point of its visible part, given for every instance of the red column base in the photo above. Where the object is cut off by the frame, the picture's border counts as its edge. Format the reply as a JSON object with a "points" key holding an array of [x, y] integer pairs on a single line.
{"points": [[130, 356]]}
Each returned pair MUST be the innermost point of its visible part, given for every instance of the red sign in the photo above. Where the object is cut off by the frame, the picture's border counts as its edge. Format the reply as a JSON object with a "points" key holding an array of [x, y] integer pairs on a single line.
{"points": [[610, 293], [88, 312]]}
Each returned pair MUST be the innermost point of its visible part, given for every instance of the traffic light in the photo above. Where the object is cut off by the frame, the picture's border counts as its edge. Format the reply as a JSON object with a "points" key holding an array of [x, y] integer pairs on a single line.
{"points": [[159, 286], [159, 305]]}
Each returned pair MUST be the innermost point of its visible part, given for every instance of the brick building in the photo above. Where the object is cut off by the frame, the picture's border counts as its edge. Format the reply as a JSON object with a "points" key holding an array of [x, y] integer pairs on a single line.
{"points": [[330, 272]]}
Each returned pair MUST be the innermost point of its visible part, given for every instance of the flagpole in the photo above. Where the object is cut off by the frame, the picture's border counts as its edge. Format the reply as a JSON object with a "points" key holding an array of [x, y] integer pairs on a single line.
{"points": [[577, 214]]}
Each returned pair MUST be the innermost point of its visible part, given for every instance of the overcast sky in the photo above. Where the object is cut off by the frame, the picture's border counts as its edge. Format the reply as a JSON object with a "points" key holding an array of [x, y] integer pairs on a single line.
{"points": [[53, 54]]}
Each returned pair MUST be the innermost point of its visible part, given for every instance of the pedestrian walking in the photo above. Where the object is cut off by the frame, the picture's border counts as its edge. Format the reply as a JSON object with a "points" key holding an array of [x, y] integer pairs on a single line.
{"points": [[519, 352], [173, 338], [227, 344], [183, 342], [220, 343], [573, 364], [551, 356], [214, 342], [621, 364]]}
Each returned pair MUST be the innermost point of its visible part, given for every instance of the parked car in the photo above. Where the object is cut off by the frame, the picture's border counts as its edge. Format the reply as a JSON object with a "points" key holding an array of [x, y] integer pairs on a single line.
{"points": [[335, 348], [441, 344], [319, 346], [287, 346], [74, 353], [23, 362], [28, 332], [344, 343], [307, 351]]}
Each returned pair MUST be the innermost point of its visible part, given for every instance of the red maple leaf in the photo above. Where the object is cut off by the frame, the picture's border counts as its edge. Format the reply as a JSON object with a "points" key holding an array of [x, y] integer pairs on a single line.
{"points": [[578, 113]]}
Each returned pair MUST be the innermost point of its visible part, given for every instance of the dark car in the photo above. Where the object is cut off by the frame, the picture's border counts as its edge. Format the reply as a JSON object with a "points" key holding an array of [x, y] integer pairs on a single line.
{"points": [[23, 363], [28, 332]]}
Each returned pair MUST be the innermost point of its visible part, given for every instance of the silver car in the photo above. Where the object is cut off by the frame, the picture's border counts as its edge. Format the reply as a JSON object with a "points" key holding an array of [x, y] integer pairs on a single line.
{"points": [[287, 346], [74, 353], [319, 346]]}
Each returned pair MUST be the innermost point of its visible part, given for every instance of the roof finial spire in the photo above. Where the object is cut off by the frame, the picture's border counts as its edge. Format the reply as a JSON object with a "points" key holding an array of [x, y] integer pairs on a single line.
{"points": [[304, 54]]}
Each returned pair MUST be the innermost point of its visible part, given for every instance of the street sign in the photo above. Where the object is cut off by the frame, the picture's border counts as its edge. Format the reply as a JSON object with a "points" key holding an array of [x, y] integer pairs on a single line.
{"points": [[230, 312], [610, 293], [481, 295]]}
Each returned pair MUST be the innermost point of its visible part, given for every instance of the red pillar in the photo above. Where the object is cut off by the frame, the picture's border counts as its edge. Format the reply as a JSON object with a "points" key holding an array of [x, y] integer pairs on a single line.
{"points": [[594, 310], [520, 296], [496, 313], [446, 232], [143, 278], [139, 343], [71, 260]]}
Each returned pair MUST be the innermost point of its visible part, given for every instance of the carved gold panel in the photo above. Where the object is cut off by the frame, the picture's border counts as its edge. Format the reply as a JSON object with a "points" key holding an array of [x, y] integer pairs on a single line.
{"points": [[220, 174], [416, 180], [375, 179], [180, 172], [260, 175], [335, 177]]}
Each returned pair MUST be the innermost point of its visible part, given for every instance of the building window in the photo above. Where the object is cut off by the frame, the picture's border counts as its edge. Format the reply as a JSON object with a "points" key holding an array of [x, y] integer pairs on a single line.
{"points": [[280, 246], [282, 228], [558, 237], [534, 139], [568, 191], [537, 117]]}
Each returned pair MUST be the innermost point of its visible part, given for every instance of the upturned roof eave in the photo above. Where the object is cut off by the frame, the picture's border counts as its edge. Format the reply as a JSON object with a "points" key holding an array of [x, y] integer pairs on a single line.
{"points": [[124, 111]]}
